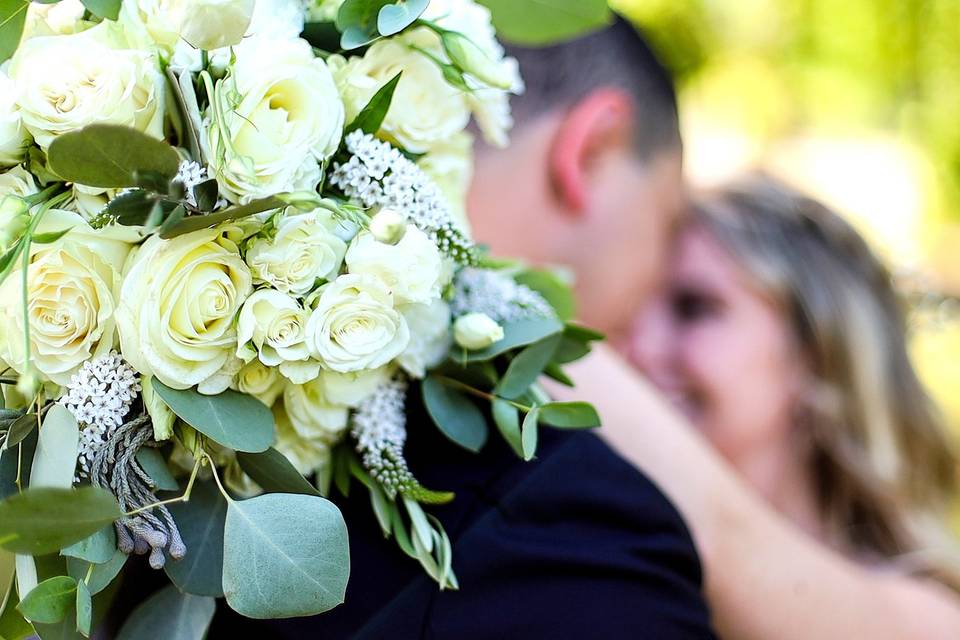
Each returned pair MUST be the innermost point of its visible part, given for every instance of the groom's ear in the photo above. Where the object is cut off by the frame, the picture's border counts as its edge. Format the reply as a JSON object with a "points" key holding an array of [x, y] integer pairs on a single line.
{"points": [[600, 121]]}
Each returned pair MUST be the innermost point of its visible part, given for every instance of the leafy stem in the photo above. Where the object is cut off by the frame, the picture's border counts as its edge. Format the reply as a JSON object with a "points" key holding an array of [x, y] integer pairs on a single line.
{"points": [[479, 393]]}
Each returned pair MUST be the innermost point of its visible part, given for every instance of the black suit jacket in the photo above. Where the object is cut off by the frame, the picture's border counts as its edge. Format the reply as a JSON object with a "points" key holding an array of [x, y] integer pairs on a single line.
{"points": [[575, 544]]}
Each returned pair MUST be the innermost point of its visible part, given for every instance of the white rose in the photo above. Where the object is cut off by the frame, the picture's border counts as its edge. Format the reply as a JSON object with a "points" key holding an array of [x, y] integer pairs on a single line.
{"points": [[425, 109], [152, 23], [411, 269], [355, 326], [430, 338], [260, 381], [311, 412], [304, 250], [71, 291], [14, 138], [272, 326], [476, 331], [350, 389], [274, 119], [14, 219], [306, 454], [64, 83], [17, 181], [388, 226], [212, 24], [178, 304], [61, 18]]}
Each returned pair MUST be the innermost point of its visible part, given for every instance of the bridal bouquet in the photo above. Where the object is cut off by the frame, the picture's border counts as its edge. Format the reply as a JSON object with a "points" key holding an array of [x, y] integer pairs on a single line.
{"points": [[233, 256]]}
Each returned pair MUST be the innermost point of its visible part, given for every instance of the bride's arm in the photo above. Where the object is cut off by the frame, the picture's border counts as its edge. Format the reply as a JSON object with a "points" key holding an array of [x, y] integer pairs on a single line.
{"points": [[764, 578]]}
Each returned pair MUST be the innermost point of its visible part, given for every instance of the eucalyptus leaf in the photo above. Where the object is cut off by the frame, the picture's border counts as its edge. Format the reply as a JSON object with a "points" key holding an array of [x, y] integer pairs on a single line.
{"points": [[96, 548], [274, 473], [528, 433], [170, 615], [200, 520], [44, 520], [15, 460], [110, 156], [49, 601], [12, 624], [153, 463], [371, 116], [526, 367], [553, 289], [557, 373], [195, 223], [20, 429], [55, 460], [13, 14], [507, 418], [284, 555], [357, 22], [394, 18], [569, 415], [518, 334], [101, 575], [84, 606], [108, 9], [131, 208], [232, 419], [454, 414], [543, 22]]}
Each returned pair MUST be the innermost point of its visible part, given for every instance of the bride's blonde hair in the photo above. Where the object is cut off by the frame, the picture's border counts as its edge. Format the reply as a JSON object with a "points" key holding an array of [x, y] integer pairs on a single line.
{"points": [[883, 466]]}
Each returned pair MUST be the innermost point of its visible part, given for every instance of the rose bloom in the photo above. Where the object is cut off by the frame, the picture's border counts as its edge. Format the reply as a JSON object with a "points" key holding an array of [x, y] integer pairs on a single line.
{"points": [[14, 138], [411, 268], [425, 109], [275, 117], [272, 326], [350, 389], [355, 325], [64, 83], [260, 381], [311, 412], [71, 298], [304, 249], [305, 453], [177, 308], [430, 338]]}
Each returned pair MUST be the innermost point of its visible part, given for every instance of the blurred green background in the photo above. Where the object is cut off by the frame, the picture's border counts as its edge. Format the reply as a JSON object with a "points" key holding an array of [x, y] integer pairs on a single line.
{"points": [[855, 101]]}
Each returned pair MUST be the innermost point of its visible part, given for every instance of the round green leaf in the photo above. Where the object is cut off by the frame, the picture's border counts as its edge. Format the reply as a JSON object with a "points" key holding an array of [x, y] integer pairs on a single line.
{"points": [[507, 418], [97, 548], [44, 520], [454, 414], [13, 14], [49, 601], [526, 367], [170, 615], [569, 415], [84, 605], [110, 156], [528, 433], [55, 460], [284, 555], [394, 18], [152, 462], [542, 22], [200, 521], [102, 574], [274, 473], [235, 420]]}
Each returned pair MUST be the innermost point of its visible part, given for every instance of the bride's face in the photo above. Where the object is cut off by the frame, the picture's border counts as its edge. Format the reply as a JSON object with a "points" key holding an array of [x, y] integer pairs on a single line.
{"points": [[721, 351]]}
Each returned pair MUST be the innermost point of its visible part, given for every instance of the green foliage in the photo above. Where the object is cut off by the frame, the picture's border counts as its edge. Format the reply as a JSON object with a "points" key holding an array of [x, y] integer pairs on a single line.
{"points": [[201, 521], [544, 22], [371, 116], [235, 420], [12, 624], [454, 414], [84, 606], [517, 334], [528, 433], [153, 463], [274, 473], [554, 290], [19, 428], [102, 575], [108, 9], [13, 15], [195, 223], [170, 615], [507, 418], [569, 415], [394, 18], [362, 21], [96, 548], [526, 367], [56, 456], [110, 156], [44, 520], [284, 555], [49, 601]]}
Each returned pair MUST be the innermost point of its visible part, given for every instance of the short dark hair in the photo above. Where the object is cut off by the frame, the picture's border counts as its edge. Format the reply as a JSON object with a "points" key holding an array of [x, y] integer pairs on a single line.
{"points": [[615, 56]]}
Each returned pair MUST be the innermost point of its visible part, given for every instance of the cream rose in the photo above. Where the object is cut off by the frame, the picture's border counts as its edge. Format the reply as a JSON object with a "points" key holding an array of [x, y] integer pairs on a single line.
{"points": [[312, 414], [14, 138], [411, 269], [17, 181], [64, 17], [66, 82], [71, 293], [350, 389], [355, 325], [178, 304], [476, 331], [260, 381], [303, 251], [274, 119], [425, 110], [213, 24], [272, 326], [430, 337], [305, 453]]}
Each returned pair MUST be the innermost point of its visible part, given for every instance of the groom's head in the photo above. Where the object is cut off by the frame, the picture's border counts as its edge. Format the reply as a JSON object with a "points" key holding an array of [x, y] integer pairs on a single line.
{"points": [[592, 177]]}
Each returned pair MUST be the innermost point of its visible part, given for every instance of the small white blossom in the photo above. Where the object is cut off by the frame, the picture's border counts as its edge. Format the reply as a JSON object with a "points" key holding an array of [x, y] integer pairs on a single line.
{"points": [[496, 295], [190, 174], [99, 396]]}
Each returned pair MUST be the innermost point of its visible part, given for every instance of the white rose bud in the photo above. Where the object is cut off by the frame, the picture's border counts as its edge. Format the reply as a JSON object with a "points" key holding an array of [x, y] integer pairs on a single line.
{"points": [[212, 24], [14, 217], [476, 331], [464, 53], [388, 226]]}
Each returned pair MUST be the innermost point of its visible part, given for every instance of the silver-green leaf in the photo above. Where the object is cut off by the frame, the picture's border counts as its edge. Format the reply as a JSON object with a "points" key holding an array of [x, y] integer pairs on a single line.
{"points": [[170, 615]]}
